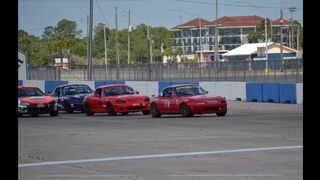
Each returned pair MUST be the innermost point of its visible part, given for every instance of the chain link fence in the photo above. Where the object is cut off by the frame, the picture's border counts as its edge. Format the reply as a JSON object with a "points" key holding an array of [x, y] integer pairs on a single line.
{"points": [[250, 71]]}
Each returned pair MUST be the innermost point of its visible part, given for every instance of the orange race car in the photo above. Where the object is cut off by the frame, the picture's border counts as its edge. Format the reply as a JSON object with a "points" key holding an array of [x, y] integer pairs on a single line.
{"points": [[31, 100]]}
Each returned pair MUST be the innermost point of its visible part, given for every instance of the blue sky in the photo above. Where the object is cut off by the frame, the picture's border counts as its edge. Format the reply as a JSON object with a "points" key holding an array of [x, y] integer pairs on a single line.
{"points": [[35, 15]]}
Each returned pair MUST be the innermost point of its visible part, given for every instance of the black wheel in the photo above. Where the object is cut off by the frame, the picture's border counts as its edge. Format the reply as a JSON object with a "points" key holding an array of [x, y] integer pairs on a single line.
{"points": [[67, 107], [110, 110], [54, 113], [222, 113], [124, 113], [154, 110], [147, 112], [87, 110], [185, 111]]}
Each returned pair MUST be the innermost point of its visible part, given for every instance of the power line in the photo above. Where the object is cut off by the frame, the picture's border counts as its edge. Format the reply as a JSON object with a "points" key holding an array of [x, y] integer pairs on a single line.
{"points": [[227, 4], [104, 18]]}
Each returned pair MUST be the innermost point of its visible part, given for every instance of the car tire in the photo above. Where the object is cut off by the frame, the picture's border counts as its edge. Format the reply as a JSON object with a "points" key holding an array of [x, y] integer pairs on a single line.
{"points": [[147, 112], [124, 113], [54, 113], [87, 110], [154, 110], [67, 107], [222, 113], [110, 110], [185, 111]]}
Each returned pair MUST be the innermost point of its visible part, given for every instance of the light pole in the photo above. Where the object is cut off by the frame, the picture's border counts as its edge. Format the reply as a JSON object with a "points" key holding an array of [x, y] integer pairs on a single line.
{"points": [[199, 20], [216, 45], [105, 48]]}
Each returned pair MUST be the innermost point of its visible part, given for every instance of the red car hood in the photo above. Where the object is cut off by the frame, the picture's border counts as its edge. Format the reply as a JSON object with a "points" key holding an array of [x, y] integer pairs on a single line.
{"points": [[132, 97], [204, 97], [37, 99]]}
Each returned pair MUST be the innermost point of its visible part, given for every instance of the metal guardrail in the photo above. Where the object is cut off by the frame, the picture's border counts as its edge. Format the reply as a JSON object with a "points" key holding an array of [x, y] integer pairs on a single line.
{"points": [[254, 71]]}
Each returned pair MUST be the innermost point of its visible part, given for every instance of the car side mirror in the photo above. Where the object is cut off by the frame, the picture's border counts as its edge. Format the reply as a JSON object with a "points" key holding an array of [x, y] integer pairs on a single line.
{"points": [[46, 94], [97, 95], [137, 92], [206, 92]]}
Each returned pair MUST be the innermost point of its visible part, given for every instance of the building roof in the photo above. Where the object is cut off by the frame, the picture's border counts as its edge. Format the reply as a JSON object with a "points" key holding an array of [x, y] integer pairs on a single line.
{"points": [[193, 23], [251, 48], [238, 21], [277, 22], [229, 21]]}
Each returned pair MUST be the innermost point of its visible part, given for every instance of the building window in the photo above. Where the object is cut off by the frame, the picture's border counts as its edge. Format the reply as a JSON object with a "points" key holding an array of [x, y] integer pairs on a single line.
{"points": [[247, 30]]}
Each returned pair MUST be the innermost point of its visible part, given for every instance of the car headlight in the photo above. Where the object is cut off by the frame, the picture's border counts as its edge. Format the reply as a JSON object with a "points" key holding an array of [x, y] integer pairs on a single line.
{"points": [[120, 101], [23, 103]]}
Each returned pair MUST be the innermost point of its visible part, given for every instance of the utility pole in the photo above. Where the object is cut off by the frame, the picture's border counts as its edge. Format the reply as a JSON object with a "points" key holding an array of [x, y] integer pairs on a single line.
{"points": [[90, 42], [105, 47], [201, 55], [291, 43], [281, 47], [129, 30], [182, 39], [117, 46], [266, 39], [150, 53], [216, 45], [298, 40]]}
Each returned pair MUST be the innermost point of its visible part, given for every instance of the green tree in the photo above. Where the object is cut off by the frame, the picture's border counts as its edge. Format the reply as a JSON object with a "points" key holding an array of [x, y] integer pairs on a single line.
{"points": [[98, 40], [259, 33]]}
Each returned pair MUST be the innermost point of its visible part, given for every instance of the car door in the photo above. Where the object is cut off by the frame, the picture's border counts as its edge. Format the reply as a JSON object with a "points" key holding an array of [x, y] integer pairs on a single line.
{"points": [[95, 101], [165, 102]]}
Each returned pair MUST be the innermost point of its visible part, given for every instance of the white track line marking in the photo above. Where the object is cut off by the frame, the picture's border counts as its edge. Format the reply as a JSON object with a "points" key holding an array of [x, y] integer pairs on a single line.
{"points": [[226, 175], [156, 156]]}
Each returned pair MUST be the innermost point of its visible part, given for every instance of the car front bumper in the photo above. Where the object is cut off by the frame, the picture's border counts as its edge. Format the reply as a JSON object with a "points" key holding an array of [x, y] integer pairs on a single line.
{"points": [[38, 109], [131, 107], [202, 108]]}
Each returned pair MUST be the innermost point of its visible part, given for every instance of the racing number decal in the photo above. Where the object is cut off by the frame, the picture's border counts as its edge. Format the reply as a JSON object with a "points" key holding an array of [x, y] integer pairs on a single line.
{"points": [[166, 103]]}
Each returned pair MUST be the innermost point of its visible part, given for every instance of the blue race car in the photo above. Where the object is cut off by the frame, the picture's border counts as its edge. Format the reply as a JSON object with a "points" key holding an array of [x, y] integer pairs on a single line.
{"points": [[71, 97]]}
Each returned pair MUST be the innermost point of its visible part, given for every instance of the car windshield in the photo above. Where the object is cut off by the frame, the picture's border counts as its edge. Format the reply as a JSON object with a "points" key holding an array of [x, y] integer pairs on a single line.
{"points": [[72, 90], [27, 92], [119, 91], [189, 90]]}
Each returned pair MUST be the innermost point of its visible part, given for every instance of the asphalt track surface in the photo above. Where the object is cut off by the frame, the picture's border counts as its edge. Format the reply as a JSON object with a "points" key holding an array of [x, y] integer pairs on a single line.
{"points": [[253, 141]]}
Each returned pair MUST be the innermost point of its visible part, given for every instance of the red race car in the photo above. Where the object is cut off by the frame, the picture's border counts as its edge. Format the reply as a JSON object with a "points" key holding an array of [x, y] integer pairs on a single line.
{"points": [[31, 100], [187, 99], [116, 98]]}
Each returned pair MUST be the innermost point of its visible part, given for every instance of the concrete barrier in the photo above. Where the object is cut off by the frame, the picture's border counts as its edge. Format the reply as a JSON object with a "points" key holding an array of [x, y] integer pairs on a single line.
{"points": [[106, 82], [209, 86], [287, 93], [223, 89], [254, 92], [51, 85], [270, 92], [299, 90], [162, 85], [260, 92], [89, 83], [238, 91], [38, 83], [147, 88]]}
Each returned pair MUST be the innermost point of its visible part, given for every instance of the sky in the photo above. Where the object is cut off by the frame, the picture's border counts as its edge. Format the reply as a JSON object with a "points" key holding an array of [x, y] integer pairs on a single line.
{"points": [[35, 15]]}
